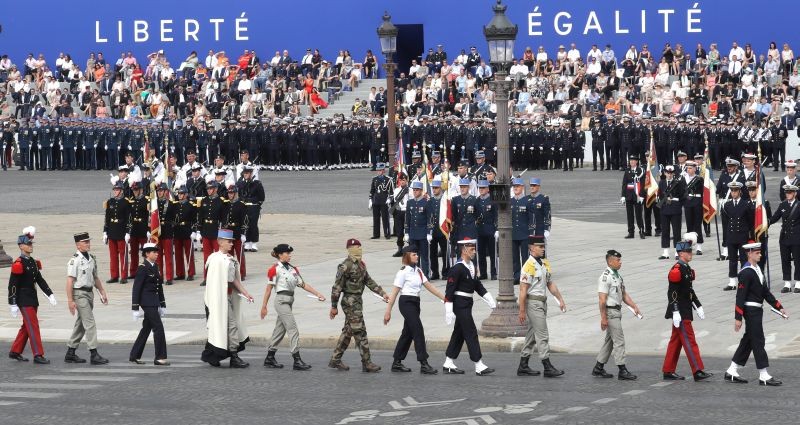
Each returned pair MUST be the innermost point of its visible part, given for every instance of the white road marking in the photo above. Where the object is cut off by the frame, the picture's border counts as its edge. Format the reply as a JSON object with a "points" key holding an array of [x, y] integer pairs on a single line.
{"points": [[120, 371], [634, 392], [662, 384], [82, 378], [28, 394], [604, 400], [45, 386], [545, 418], [575, 409]]}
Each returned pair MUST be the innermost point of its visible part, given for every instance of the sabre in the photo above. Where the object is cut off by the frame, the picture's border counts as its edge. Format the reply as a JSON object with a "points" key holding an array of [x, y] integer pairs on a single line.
{"points": [[778, 313], [639, 316], [378, 297], [248, 299], [316, 298]]}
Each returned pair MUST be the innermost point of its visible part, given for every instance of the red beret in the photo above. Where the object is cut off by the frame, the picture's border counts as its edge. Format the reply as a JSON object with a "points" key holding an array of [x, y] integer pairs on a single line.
{"points": [[352, 242]]}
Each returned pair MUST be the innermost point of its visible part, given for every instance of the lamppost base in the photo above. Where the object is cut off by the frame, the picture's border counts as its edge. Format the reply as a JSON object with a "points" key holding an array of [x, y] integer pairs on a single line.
{"points": [[503, 322], [5, 259]]}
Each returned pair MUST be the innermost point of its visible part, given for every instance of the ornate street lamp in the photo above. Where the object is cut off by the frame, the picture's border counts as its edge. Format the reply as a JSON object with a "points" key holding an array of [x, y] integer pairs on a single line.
{"points": [[387, 34]]}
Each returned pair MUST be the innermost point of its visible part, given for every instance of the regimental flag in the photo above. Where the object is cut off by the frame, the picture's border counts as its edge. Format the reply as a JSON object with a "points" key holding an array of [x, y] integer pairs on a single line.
{"points": [[652, 176], [445, 219], [155, 220], [398, 158], [146, 148], [709, 191], [761, 223]]}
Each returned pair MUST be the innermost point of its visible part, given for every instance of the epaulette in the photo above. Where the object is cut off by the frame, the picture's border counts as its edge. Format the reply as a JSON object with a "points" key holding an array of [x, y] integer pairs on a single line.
{"points": [[105, 204], [403, 268], [225, 200], [17, 267]]}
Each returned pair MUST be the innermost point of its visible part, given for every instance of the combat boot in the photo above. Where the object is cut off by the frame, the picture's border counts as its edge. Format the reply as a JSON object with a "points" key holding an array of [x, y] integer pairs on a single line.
{"points": [[270, 361], [427, 369], [299, 364], [370, 367], [337, 364], [397, 366], [600, 372], [624, 374], [96, 358], [549, 370], [237, 362], [71, 357], [524, 369]]}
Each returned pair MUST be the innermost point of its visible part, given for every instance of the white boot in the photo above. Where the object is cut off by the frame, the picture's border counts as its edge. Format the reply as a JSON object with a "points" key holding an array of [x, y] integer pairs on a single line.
{"points": [[253, 247], [763, 375], [480, 366], [733, 369], [788, 283], [732, 282], [665, 253], [449, 364], [725, 251]]}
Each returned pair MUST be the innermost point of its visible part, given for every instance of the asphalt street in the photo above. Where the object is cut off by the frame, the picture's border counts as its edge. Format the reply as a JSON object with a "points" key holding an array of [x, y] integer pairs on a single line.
{"points": [[581, 195], [190, 391]]}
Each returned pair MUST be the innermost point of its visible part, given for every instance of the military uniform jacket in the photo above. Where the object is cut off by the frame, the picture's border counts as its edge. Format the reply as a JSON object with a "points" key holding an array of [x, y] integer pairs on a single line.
{"points": [[487, 212], [753, 289], [419, 220], [351, 278], [790, 225], [83, 269], [694, 190], [185, 219], [118, 211], [671, 194], [723, 192], [540, 211], [140, 217], [462, 278], [536, 273], [147, 287], [380, 190], [786, 180], [166, 213], [465, 216], [740, 220], [25, 274], [680, 294], [522, 220], [633, 184], [236, 219], [251, 191], [196, 187], [213, 211]]}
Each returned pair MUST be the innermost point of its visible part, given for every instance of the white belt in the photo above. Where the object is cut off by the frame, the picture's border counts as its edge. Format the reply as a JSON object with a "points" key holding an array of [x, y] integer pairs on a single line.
{"points": [[696, 196], [674, 199], [412, 295], [752, 304], [464, 294]]}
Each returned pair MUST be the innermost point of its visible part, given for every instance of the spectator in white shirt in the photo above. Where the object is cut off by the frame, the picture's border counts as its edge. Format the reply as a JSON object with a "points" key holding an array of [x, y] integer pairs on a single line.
{"points": [[211, 60], [573, 56], [736, 52]]}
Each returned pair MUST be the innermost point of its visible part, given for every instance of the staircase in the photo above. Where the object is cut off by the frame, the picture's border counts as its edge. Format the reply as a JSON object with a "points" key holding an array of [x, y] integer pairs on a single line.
{"points": [[347, 99]]}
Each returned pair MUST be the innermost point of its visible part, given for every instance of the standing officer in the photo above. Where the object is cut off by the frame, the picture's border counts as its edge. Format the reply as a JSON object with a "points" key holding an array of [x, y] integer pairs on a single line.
{"points": [[534, 279], [724, 193], [379, 193], [681, 299], [351, 278], [398, 202], [789, 214], [539, 207], [612, 293], [251, 191], [438, 246], [598, 145], [25, 274], [670, 197], [139, 228], [166, 214], [81, 281], [750, 296], [693, 206], [633, 193], [148, 293], [790, 178], [212, 211], [465, 212], [739, 221], [522, 225], [236, 221], [115, 233], [419, 225], [185, 219], [487, 231]]}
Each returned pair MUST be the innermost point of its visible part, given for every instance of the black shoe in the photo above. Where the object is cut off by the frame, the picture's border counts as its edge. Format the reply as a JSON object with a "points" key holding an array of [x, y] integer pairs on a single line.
{"points": [[663, 257], [698, 252], [700, 375], [648, 233], [672, 376], [729, 288], [299, 364], [161, 362], [237, 362], [524, 369], [214, 363], [625, 375], [494, 277], [123, 281], [435, 277], [180, 278], [270, 362], [17, 356], [708, 235], [71, 357], [397, 366], [630, 236], [387, 237], [658, 233], [452, 371], [483, 277], [549, 370], [488, 370], [169, 282], [40, 360], [203, 283], [772, 382], [599, 372], [113, 280], [427, 369], [397, 254], [189, 278], [796, 290], [641, 235], [375, 237], [722, 258], [137, 361], [734, 379], [786, 290]]}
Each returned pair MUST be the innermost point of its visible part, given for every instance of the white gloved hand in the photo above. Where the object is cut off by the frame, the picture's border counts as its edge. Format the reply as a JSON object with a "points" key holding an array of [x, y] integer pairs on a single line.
{"points": [[127, 237], [515, 148], [105, 238], [369, 206], [130, 148], [496, 235], [148, 236], [243, 238], [676, 319], [137, 314], [405, 238], [39, 145], [700, 313], [547, 234], [429, 238], [52, 299], [449, 316], [383, 149], [75, 148], [489, 300], [639, 199], [495, 148], [622, 200], [14, 311], [452, 147], [162, 311]]}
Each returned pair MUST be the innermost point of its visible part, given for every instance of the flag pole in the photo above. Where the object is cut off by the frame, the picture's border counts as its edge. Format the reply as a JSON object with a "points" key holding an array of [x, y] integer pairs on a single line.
{"points": [[716, 220], [761, 192]]}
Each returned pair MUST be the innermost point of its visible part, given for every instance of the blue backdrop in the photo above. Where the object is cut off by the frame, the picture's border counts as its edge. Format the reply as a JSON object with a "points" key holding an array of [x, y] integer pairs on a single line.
{"points": [[233, 25]]}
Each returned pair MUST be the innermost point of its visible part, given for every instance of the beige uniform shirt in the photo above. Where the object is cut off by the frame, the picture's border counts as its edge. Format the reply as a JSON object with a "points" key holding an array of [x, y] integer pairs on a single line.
{"points": [[84, 271], [610, 283]]}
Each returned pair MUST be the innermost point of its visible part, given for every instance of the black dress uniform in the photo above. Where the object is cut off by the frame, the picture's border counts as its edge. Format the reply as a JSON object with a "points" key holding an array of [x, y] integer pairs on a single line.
{"points": [[438, 245], [789, 213], [380, 190], [487, 226], [633, 193], [671, 194], [148, 294], [739, 218], [251, 191], [693, 206], [462, 282]]}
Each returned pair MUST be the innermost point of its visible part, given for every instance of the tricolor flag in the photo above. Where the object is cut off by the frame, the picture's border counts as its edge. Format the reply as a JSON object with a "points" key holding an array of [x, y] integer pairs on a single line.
{"points": [[398, 158], [709, 191], [652, 176], [445, 219], [155, 221], [761, 223]]}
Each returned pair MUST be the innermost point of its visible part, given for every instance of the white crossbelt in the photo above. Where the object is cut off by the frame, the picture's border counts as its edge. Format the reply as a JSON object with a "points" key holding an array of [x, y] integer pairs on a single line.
{"points": [[464, 294], [752, 304], [674, 199], [699, 195]]}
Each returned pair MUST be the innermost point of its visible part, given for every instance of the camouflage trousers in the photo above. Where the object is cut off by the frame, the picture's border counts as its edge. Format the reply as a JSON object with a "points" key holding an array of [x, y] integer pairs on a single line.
{"points": [[354, 327]]}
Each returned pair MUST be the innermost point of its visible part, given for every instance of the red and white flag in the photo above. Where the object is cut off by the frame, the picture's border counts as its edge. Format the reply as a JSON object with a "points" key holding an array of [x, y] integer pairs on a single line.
{"points": [[709, 191], [761, 223], [155, 221]]}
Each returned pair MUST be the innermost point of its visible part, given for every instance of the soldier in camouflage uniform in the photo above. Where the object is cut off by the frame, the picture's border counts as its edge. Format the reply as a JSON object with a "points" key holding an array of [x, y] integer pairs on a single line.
{"points": [[351, 278]]}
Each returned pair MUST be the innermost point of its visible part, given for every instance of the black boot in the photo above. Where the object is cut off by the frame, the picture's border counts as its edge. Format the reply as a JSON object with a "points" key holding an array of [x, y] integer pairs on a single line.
{"points": [[600, 372], [299, 364], [397, 366], [427, 369], [96, 358], [549, 370], [71, 357], [397, 254], [624, 374], [237, 362], [524, 369], [270, 361], [40, 360], [630, 235], [641, 234]]}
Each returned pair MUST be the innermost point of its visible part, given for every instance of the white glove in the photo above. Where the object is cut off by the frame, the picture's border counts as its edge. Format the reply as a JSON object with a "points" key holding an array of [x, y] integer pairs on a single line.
{"points": [[405, 238], [547, 234], [496, 235], [137, 314], [52, 299], [639, 199], [622, 200], [389, 200], [14, 311], [533, 148], [382, 149], [127, 237], [39, 145], [105, 238], [194, 236], [489, 300], [495, 148], [449, 316], [515, 148], [243, 238], [369, 206], [148, 236], [452, 147], [75, 148], [429, 238], [560, 149], [162, 311], [130, 148], [700, 313], [676, 319]]}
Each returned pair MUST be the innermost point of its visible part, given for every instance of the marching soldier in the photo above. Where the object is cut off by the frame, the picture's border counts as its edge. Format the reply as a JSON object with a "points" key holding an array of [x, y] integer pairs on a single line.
{"points": [[185, 221], [670, 197], [81, 281], [487, 231], [25, 274], [738, 215], [632, 196], [465, 213], [750, 296], [419, 225], [251, 191], [693, 206], [612, 294], [148, 302], [115, 233], [681, 299], [789, 214], [351, 278], [534, 280], [379, 193], [438, 245]]}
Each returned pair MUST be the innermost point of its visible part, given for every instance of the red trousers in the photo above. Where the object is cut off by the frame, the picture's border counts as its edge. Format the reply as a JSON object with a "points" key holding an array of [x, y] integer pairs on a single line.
{"points": [[28, 330], [119, 258], [136, 246], [239, 252], [165, 257], [209, 247], [184, 251], [682, 337]]}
